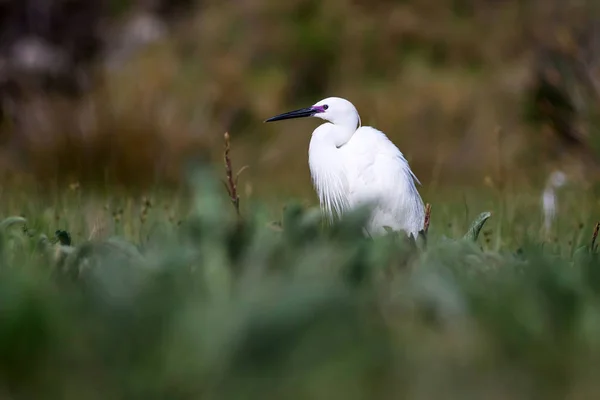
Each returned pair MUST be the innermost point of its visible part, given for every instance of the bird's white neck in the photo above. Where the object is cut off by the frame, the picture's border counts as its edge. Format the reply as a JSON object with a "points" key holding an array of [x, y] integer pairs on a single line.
{"points": [[340, 128], [327, 168], [334, 134], [348, 121]]}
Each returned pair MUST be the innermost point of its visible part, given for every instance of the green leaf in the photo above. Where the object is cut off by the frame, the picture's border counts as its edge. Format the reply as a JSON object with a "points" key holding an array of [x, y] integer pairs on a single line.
{"points": [[389, 230], [476, 226], [582, 254], [292, 216], [8, 222]]}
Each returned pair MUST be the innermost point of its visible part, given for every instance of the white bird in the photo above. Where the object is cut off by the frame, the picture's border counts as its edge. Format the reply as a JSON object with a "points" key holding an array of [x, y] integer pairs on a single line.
{"points": [[556, 180], [353, 165]]}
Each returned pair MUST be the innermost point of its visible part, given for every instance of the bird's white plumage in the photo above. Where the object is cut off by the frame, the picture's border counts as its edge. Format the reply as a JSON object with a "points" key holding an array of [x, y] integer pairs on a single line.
{"points": [[556, 180], [353, 165]]}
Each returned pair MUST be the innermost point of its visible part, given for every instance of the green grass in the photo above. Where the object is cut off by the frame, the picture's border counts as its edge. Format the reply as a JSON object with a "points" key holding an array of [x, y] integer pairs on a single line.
{"points": [[166, 295], [178, 299]]}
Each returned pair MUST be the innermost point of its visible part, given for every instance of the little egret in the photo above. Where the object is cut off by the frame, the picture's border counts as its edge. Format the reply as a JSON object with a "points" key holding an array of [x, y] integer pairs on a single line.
{"points": [[353, 165], [556, 180]]}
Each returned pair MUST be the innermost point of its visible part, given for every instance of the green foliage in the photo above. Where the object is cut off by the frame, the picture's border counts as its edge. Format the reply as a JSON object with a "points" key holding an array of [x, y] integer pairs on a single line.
{"points": [[477, 225], [409, 66], [225, 308]]}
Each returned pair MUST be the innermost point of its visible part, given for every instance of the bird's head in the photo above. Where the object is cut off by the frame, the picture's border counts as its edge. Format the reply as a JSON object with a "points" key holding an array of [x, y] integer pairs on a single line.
{"points": [[336, 110], [557, 179]]}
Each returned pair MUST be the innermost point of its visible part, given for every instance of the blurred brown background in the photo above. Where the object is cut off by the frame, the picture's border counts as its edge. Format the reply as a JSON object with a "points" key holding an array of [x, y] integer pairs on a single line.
{"points": [[127, 92]]}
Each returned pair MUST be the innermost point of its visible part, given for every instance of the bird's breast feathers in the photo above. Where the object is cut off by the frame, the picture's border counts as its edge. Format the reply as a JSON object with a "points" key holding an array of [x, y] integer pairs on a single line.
{"points": [[368, 169]]}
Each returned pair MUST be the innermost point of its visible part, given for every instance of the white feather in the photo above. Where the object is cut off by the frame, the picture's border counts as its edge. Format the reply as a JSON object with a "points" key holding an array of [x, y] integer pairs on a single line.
{"points": [[352, 167], [556, 180]]}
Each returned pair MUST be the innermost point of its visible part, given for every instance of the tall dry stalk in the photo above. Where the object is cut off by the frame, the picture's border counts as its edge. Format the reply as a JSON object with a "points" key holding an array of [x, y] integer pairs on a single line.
{"points": [[427, 218], [595, 236], [231, 183]]}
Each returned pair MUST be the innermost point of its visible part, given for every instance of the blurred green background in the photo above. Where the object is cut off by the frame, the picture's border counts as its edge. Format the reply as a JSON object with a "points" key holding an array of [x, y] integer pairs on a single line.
{"points": [[474, 92]]}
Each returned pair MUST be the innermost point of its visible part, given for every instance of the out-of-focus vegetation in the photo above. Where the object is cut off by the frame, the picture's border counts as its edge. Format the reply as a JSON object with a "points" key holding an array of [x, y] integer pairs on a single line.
{"points": [[162, 291], [205, 305], [465, 88]]}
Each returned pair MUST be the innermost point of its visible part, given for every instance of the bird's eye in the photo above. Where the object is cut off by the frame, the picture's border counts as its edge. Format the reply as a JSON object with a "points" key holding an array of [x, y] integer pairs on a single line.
{"points": [[325, 107]]}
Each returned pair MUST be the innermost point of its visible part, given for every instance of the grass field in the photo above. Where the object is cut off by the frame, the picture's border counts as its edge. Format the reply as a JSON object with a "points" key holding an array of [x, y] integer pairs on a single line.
{"points": [[172, 296], [147, 292]]}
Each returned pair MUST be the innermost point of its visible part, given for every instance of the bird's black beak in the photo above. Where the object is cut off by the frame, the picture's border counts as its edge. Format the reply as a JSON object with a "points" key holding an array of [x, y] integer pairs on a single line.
{"points": [[301, 113]]}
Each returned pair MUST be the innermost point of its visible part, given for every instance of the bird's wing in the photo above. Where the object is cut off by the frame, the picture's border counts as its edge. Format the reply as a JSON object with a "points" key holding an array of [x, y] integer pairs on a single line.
{"points": [[379, 173], [328, 172]]}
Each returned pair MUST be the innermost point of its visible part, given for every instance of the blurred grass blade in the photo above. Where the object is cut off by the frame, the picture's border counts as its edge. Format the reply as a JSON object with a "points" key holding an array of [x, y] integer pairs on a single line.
{"points": [[10, 221], [476, 226]]}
